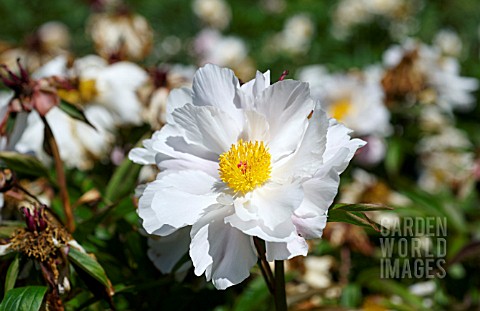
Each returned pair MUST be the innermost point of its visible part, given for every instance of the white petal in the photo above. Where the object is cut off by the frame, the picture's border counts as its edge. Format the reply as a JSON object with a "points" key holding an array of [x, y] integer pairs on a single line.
{"points": [[146, 155], [340, 147], [256, 127], [286, 106], [308, 157], [207, 126], [224, 253], [276, 203], [286, 250], [253, 88], [310, 227], [216, 86], [177, 98], [5, 249], [166, 251], [168, 151], [175, 200]]}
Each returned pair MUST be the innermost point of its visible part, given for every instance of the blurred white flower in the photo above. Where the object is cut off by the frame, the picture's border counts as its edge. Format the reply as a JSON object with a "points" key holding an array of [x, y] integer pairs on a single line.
{"points": [[121, 35], [434, 72], [156, 93], [107, 93], [214, 13], [317, 271], [211, 47], [238, 162], [79, 144], [350, 13], [448, 42], [296, 36], [112, 86], [350, 98]]}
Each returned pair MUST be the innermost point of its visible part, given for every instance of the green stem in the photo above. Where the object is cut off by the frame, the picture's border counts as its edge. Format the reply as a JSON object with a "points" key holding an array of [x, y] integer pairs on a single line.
{"points": [[280, 294], [263, 264]]}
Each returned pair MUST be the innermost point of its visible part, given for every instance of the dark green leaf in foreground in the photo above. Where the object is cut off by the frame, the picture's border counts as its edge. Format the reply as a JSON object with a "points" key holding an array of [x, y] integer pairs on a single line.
{"points": [[74, 111], [24, 163], [88, 264], [354, 218], [12, 274], [362, 207], [23, 298]]}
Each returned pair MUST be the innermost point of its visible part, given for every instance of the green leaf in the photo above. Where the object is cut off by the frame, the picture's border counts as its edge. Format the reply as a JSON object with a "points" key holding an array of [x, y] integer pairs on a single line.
{"points": [[88, 264], [351, 296], [74, 111], [122, 182], [351, 217], [12, 274], [361, 207], [23, 163], [23, 298]]}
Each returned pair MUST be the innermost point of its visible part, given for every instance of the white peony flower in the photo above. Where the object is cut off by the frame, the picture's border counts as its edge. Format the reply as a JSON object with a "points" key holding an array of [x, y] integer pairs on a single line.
{"points": [[242, 161]]}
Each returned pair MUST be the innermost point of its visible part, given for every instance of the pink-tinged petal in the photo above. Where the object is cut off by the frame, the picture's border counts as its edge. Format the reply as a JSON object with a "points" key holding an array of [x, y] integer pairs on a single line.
{"points": [[165, 252], [224, 253], [175, 200], [43, 101], [217, 87], [286, 106], [209, 127], [286, 250], [308, 157]]}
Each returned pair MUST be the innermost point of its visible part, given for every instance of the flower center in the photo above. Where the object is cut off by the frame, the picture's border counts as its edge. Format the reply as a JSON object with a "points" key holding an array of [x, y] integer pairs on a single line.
{"points": [[85, 92], [340, 108], [245, 166]]}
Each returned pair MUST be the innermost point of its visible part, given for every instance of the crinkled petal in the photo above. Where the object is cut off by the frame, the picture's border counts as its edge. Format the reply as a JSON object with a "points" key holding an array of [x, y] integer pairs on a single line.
{"points": [[218, 87], [207, 126], [308, 157], [175, 200], [224, 253], [286, 106]]}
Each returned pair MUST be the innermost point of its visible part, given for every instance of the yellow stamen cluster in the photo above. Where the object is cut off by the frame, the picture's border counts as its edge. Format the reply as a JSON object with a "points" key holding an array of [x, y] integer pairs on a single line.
{"points": [[85, 92], [40, 245], [339, 109], [245, 166]]}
